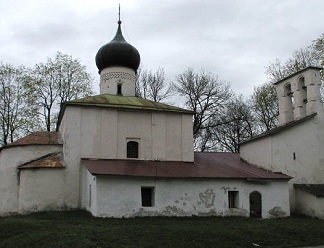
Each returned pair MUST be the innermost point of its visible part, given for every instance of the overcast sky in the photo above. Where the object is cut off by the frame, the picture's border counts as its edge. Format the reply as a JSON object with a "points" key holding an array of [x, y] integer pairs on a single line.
{"points": [[235, 39]]}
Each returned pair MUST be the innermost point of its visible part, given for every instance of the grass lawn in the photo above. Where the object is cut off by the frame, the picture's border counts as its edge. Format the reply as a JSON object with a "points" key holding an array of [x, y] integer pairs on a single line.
{"points": [[80, 229]]}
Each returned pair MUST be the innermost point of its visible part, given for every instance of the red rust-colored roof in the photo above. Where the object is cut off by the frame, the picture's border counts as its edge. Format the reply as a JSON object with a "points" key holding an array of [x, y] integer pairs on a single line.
{"points": [[206, 165], [38, 138], [54, 160]]}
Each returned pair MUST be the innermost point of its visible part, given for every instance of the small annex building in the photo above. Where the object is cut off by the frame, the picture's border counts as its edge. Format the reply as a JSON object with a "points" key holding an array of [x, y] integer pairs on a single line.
{"points": [[295, 147], [118, 155]]}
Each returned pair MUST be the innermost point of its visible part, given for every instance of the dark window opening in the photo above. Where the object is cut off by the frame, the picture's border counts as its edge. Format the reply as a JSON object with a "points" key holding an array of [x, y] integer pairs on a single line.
{"points": [[233, 199], [132, 149], [147, 194], [119, 89], [90, 196], [290, 94]]}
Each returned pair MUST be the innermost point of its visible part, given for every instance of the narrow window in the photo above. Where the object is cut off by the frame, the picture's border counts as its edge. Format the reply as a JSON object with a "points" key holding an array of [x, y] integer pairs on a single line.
{"points": [[147, 194], [132, 149], [303, 89], [301, 98], [233, 199], [290, 95], [289, 103], [119, 89], [90, 196]]}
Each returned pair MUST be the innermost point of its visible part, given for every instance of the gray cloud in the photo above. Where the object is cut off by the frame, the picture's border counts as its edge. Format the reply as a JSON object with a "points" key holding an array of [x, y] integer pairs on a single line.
{"points": [[234, 39]]}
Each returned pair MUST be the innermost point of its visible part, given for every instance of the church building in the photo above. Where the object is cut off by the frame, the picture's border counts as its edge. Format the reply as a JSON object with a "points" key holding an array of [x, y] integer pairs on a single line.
{"points": [[118, 155]]}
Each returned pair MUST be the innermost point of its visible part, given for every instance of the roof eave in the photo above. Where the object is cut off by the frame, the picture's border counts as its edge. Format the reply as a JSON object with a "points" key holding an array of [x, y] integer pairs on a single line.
{"points": [[295, 73], [280, 128], [126, 107]]}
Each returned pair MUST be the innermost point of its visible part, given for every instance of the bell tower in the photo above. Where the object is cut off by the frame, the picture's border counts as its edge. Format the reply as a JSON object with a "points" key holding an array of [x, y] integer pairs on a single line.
{"points": [[299, 95]]}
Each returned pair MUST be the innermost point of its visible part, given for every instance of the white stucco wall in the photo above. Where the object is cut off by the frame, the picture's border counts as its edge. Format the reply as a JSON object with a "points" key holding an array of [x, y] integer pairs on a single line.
{"points": [[310, 205], [295, 151], [10, 159], [301, 140], [71, 135], [41, 190], [110, 77], [258, 152], [103, 133], [121, 197], [89, 192]]}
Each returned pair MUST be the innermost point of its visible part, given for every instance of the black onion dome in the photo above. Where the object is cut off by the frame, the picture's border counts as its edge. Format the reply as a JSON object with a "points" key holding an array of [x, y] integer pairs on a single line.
{"points": [[118, 53]]}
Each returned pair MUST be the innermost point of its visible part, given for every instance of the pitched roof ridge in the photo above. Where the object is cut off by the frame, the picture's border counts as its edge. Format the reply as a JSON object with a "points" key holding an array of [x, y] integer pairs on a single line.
{"points": [[37, 161], [37, 138]]}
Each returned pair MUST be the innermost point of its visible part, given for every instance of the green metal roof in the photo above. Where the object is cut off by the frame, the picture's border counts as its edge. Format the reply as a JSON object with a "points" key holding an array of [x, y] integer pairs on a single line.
{"points": [[130, 103], [126, 102]]}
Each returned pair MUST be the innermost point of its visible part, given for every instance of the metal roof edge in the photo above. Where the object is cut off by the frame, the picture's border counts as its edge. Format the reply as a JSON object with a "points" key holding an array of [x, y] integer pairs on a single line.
{"points": [[280, 128], [21, 167], [17, 145], [297, 72], [129, 107], [136, 160], [193, 177]]}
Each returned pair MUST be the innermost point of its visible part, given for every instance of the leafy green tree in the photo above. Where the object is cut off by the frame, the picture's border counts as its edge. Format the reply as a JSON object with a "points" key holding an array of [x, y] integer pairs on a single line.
{"points": [[62, 78], [18, 112]]}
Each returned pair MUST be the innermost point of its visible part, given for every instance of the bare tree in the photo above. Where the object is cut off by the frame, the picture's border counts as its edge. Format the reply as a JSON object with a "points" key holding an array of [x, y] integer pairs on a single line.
{"points": [[310, 56], [151, 85], [318, 53], [264, 102], [237, 126], [318, 50], [138, 90], [60, 79], [18, 113], [205, 94]]}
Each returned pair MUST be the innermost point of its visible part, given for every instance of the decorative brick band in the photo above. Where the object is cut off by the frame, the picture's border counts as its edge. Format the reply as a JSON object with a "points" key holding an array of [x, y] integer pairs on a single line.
{"points": [[120, 75]]}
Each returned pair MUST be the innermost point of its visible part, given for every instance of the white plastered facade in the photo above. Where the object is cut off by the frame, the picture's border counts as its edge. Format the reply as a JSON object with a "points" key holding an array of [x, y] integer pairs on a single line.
{"points": [[23, 191], [295, 147], [309, 204], [103, 133], [121, 197], [116, 78]]}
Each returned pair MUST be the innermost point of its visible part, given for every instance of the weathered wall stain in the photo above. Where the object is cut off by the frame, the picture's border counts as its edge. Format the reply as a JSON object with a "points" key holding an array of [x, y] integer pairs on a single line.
{"points": [[225, 189], [236, 212], [208, 198], [277, 212], [174, 210]]}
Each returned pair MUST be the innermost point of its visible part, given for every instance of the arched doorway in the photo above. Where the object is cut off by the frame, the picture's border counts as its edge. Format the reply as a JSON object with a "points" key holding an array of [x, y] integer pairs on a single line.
{"points": [[255, 204]]}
